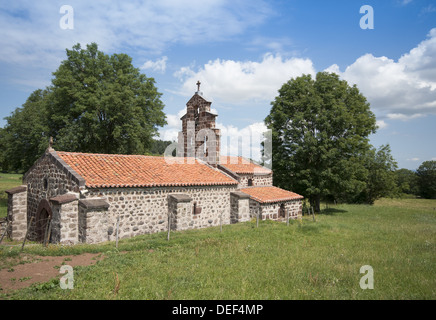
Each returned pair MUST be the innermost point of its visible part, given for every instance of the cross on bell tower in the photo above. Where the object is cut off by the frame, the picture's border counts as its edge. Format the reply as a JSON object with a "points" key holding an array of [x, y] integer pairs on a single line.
{"points": [[199, 137]]}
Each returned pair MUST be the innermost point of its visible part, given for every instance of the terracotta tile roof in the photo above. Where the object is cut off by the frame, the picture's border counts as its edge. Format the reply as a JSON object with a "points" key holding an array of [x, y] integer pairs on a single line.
{"points": [[270, 194], [242, 165], [109, 170]]}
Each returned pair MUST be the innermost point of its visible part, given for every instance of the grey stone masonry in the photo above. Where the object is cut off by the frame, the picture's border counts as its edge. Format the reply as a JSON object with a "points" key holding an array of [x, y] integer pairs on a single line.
{"points": [[94, 221], [180, 211], [145, 210], [17, 212], [270, 211], [65, 228], [239, 207], [49, 177], [256, 180]]}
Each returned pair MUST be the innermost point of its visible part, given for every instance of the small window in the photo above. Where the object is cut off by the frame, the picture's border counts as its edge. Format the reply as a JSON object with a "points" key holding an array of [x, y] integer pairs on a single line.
{"points": [[45, 183], [196, 209], [250, 182]]}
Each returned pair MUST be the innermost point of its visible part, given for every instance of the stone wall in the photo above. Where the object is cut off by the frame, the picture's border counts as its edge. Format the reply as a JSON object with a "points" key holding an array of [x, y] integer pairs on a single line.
{"points": [[64, 222], [270, 211], [49, 177], [145, 210], [94, 221], [181, 212], [17, 208], [257, 180], [239, 207]]}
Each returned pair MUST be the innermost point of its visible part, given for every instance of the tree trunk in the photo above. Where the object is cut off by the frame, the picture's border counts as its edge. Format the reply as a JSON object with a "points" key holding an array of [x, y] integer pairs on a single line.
{"points": [[315, 201]]}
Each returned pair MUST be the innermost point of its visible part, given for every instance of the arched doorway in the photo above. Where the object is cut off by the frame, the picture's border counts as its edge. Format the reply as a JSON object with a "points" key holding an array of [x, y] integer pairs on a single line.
{"points": [[43, 218]]}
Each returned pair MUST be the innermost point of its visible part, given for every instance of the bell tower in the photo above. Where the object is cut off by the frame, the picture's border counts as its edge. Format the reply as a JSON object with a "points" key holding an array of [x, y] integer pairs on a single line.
{"points": [[199, 136]]}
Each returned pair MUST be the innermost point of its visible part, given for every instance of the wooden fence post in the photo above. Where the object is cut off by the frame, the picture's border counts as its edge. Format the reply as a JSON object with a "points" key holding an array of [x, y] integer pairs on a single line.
{"points": [[25, 237], [47, 238], [313, 214], [117, 231], [169, 226]]}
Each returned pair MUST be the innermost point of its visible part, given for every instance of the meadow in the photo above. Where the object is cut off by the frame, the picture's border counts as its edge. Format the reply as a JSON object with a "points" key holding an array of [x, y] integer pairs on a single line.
{"points": [[7, 181], [303, 260]]}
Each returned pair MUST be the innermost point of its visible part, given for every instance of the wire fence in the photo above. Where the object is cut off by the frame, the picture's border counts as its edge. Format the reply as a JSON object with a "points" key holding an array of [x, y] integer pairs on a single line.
{"points": [[38, 230]]}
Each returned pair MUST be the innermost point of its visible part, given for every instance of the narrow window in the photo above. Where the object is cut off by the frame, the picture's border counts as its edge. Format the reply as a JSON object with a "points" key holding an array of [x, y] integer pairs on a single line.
{"points": [[45, 183], [196, 209]]}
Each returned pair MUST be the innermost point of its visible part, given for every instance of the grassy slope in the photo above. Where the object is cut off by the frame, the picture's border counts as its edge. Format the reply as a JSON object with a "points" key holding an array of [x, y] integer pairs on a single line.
{"points": [[7, 181], [314, 260]]}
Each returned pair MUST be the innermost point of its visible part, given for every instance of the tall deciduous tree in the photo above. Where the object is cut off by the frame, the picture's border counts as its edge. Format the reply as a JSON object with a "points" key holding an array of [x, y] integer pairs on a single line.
{"points": [[96, 103], [101, 103], [320, 129]]}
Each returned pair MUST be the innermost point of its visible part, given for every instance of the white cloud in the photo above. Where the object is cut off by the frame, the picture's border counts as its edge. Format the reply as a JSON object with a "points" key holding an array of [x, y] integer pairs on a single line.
{"points": [[381, 124], [413, 159], [171, 130], [158, 65], [31, 38], [245, 141], [403, 90], [404, 117], [240, 82], [117, 24]]}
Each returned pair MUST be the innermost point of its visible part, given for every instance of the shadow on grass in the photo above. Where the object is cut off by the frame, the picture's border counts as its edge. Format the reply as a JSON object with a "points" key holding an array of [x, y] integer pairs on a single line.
{"points": [[330, 211]]}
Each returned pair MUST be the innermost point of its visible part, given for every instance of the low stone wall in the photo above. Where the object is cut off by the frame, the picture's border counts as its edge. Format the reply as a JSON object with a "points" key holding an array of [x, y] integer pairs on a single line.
{"points": [[94, 221], [239, 207], [17, 212], [145, 210], [3, 224], [180, 210], [64, 222], [270, 211]]}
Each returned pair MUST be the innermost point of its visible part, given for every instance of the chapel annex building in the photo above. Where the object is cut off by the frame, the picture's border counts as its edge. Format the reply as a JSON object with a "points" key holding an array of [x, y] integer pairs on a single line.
{"points": [[71, 198]]}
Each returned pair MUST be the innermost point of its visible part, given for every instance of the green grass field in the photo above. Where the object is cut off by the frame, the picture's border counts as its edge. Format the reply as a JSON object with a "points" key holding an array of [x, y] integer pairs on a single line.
{"points": [[305, 260], [7, 181]]}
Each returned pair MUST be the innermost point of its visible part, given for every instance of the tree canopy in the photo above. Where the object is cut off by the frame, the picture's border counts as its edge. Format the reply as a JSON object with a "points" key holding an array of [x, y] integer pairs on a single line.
{"points": [[427, 179], [320, 138], [96, 103]]}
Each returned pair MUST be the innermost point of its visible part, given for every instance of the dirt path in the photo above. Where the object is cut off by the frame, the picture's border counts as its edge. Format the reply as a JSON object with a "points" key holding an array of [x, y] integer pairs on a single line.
{"points": [[35, 269]]}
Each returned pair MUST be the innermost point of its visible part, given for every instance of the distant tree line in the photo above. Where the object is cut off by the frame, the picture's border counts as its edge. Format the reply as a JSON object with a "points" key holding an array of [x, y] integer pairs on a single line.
{"points": [[421, 182]]}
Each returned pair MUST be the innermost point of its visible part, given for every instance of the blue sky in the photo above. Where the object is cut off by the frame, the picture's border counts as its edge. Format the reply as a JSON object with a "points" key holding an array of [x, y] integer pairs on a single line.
{"points": [[242, 52]]}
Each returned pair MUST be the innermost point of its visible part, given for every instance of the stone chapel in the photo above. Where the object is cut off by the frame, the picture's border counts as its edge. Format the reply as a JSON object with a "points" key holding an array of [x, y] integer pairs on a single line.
{"points": [[70, 197]]}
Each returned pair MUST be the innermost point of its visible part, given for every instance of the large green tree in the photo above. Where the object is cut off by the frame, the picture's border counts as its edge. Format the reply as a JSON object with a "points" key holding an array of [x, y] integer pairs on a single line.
{"points": [[427, 179], [97, 103], [320, 137]]}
